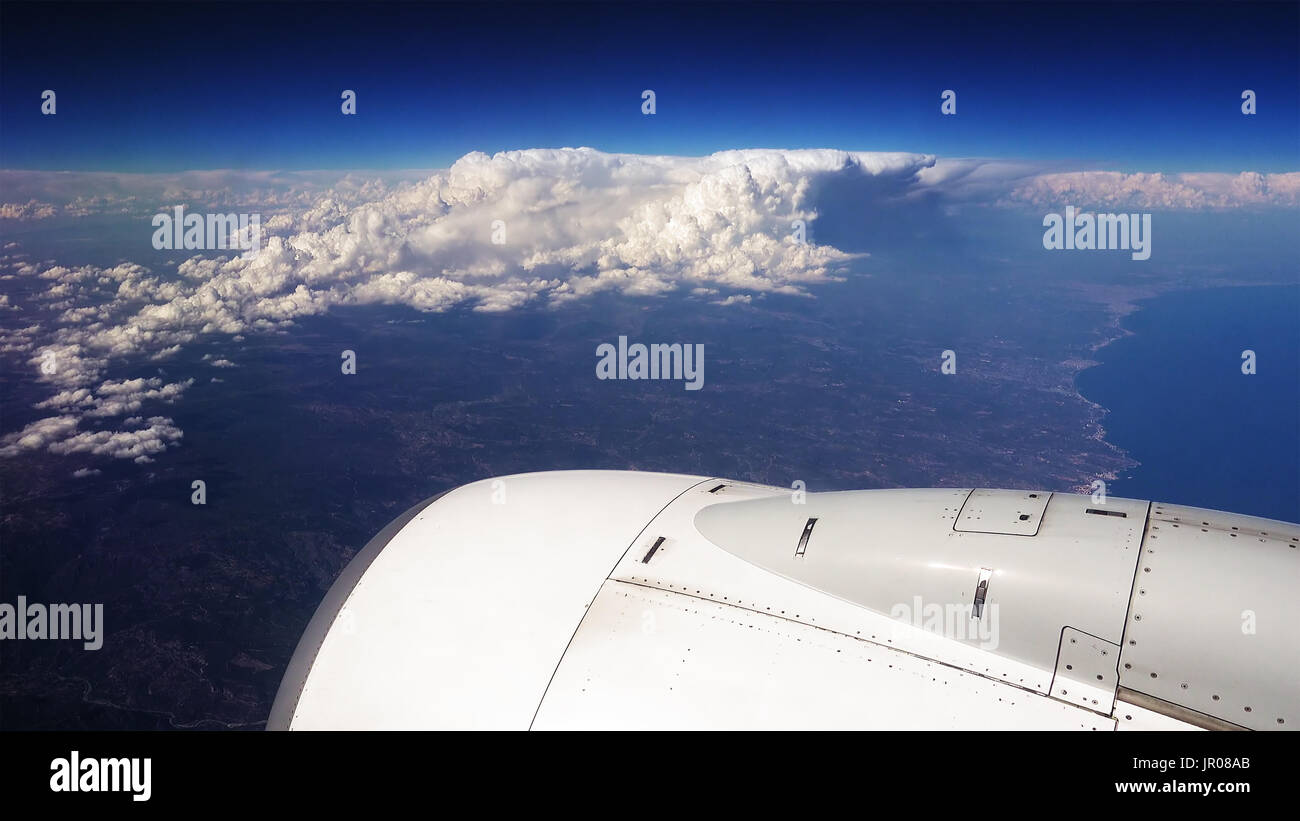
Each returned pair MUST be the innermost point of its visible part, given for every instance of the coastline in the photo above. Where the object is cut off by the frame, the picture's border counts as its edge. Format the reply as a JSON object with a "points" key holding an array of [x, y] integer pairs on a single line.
{"points": [[1120, 309]]}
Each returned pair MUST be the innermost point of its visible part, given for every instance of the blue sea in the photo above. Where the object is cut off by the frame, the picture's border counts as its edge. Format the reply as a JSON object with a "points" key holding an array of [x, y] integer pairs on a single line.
{"points": [[1206, 434]]}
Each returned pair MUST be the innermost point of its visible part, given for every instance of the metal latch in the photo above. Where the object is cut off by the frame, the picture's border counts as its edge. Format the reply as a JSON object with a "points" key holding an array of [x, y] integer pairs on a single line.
{"points": [[803, 540], [982, 590], [650, 554]]}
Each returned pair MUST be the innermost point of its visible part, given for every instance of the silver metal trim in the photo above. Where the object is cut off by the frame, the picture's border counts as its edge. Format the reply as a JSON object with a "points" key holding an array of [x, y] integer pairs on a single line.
{"points": [[1175, 711]]}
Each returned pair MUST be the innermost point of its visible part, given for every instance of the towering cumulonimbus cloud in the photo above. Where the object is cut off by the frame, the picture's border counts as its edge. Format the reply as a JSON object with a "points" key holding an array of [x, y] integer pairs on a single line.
{"points": [[492, 233]]}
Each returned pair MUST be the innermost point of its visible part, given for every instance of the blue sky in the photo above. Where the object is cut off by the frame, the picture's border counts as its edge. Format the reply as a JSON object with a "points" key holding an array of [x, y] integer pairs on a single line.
{"points": [[1146, 87]]}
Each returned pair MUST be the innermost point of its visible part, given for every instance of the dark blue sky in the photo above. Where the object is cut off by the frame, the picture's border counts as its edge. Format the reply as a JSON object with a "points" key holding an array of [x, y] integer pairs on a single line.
{"points": [[183, 86]]}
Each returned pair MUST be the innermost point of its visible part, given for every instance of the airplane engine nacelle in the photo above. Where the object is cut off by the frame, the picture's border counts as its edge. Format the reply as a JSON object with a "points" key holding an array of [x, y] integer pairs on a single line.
{"points": [[607, 599]]}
